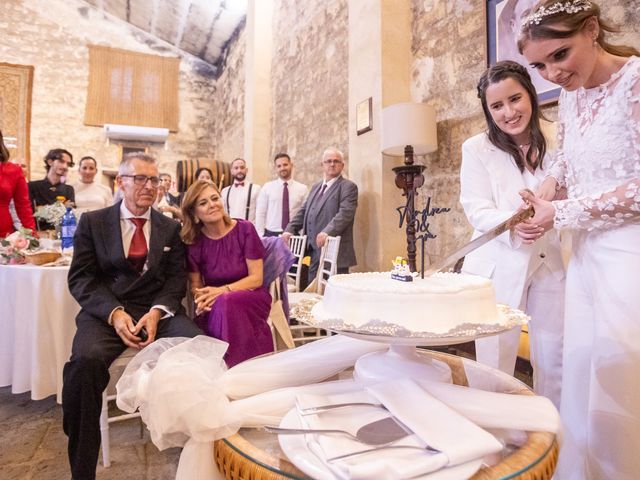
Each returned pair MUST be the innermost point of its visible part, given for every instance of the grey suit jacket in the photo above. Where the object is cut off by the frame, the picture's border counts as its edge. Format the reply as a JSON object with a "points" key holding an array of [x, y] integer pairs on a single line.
{"points": [[333, 214], [101, 278]]}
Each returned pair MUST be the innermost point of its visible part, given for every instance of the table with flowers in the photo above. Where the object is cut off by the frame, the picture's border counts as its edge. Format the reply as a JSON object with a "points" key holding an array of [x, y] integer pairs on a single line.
{"points": [[37, 326]]}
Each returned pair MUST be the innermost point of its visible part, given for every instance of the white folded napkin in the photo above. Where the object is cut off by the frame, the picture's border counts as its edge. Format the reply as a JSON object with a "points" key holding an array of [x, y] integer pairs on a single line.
{"points": [[434, 422], [383, 464]]}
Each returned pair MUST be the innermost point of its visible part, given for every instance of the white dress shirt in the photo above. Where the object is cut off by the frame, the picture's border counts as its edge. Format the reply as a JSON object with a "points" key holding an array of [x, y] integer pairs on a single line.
{"points": [[234, 199], [128, 228], [269, 206]]}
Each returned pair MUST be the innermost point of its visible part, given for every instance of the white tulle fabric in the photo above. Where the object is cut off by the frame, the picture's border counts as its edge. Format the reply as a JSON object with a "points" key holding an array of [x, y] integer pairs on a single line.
{"points": [[188, 398], [599, 153]]}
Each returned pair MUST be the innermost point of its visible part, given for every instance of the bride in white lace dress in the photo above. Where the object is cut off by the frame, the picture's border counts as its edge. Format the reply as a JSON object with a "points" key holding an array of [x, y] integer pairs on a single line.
{"points": [[599, 162]]}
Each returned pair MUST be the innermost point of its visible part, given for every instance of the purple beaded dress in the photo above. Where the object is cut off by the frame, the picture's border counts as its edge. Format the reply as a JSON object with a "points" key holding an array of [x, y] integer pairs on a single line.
{"points": [[239, 317]]}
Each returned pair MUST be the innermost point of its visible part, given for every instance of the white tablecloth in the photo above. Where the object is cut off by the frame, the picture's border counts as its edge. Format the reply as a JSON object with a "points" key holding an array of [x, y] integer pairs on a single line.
{"points": [[37, 325]]}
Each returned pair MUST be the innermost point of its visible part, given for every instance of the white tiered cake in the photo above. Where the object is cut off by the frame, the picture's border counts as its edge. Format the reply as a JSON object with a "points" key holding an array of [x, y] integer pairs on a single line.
{"points": [[437, 304]]}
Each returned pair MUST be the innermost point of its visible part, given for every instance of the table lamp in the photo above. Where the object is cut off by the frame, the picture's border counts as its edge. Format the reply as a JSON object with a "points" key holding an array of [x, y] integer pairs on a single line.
{"points": [[409, 129]]}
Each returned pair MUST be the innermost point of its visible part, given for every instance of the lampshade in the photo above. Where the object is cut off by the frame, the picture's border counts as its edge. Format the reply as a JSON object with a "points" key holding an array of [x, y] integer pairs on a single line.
{"points": [[409, 124]]}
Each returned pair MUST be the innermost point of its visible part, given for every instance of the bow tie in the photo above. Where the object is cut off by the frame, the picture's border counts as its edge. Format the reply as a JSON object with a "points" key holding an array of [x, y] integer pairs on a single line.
{"points": [[239, 184]]}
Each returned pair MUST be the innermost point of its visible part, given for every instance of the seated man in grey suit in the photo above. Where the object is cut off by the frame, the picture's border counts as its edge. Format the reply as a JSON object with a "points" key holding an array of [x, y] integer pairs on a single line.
{"points": [[128, 275], [329, 210]]}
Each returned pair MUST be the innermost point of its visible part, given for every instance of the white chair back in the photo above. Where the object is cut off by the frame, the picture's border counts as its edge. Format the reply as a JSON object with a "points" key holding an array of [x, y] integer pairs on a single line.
{"points": [[328, 264], [297, 245]]}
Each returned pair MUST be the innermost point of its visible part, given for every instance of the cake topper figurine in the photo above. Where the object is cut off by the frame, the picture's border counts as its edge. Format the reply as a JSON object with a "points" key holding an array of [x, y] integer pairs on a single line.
{"points": [[401, 270]]}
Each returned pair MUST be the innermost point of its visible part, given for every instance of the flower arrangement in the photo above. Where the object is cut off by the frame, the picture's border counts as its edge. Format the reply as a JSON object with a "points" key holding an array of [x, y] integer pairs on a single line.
{"points": [[14, 246], [51, 213]]}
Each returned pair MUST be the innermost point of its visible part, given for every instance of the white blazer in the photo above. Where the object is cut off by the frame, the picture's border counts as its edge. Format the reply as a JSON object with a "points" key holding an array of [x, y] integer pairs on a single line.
{"points": [[489, 186]]}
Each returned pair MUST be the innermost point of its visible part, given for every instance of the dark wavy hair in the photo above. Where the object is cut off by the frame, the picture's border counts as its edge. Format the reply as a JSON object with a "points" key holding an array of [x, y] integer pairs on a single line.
{"points": [[538, 148], [191, 228], [565, 25], [56, 154], [4, 151]]}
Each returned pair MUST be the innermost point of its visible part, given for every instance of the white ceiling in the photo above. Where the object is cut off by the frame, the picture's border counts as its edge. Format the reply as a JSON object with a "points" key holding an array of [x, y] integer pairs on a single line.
{"points": [[200, 27]]}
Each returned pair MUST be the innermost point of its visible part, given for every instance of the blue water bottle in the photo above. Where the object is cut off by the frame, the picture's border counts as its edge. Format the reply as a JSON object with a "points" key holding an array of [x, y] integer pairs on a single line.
{"points": [[68, 227]]}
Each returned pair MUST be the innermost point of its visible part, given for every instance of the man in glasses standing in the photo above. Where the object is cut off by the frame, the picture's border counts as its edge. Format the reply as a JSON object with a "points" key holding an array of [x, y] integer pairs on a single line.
{"points": [[329, 210], [129, 278]]}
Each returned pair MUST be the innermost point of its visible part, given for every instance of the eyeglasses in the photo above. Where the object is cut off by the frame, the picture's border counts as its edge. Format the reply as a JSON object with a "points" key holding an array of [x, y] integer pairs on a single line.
{"points": [[143, 179], [331, 162]]}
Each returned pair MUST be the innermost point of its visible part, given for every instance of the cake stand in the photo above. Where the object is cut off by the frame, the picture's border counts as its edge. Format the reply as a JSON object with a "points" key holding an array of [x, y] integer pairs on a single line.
{"points": [[402, 358]]}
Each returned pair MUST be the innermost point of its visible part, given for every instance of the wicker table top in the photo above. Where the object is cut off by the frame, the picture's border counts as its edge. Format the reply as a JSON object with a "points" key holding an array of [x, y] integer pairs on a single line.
{"points": [[255, 455]]}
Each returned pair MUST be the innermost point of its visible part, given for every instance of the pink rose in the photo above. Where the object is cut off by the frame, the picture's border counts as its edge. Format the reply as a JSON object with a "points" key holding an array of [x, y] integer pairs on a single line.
{"points": [[21, 243]]}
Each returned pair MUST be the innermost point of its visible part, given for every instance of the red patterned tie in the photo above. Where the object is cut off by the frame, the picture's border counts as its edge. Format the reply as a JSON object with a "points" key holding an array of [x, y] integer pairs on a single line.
{"points": [[138, 248], [285, 206]]}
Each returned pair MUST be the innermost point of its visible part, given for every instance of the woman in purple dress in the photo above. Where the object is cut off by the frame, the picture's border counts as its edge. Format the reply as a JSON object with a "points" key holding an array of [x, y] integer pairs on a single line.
{"points": [[225, 262]]}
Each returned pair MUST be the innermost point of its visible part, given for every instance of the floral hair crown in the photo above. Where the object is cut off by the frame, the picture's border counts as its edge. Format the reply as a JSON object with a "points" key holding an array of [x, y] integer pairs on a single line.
{"points": [[570, 7]]}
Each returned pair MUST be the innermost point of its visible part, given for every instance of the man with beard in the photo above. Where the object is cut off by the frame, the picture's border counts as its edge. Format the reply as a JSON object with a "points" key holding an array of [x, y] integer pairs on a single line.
{"points": [[44, 192], [240, 199], [279, 200]]}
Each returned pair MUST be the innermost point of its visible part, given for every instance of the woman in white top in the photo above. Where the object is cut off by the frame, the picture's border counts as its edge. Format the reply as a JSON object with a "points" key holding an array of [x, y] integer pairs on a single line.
{"points": [[90, 195], [496, 165], [599, 162]]}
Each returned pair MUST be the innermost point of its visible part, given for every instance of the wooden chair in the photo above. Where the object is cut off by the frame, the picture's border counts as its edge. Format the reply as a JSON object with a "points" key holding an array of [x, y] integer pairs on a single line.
{"points": [[115, 370], [327, 266], [297, 245]]}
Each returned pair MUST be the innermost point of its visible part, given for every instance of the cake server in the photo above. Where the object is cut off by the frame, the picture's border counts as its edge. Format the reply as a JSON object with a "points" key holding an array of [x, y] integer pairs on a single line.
{"points": [[508, 224], [379, 432]]}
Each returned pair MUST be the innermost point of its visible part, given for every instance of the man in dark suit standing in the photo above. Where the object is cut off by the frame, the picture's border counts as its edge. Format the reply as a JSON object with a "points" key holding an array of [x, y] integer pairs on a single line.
{"points": [[329, 210], [129, 278]]}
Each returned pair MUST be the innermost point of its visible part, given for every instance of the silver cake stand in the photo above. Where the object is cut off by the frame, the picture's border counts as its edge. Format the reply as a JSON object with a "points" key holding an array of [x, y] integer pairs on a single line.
{"points": [[402, 358]]}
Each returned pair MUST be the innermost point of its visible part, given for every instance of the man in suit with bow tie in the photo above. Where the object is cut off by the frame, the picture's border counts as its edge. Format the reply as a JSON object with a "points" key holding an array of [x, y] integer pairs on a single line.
{"points": [[129, 278], [329, 210]]}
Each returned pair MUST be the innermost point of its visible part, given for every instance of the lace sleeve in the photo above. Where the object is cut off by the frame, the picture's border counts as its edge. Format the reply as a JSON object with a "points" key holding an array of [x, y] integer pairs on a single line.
{"points": [[609, 210], [621, 203], [558, 168]]}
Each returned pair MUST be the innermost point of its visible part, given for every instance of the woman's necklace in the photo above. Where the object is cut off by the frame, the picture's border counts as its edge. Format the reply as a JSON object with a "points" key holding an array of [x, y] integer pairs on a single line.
{"points": [[524, 146]]}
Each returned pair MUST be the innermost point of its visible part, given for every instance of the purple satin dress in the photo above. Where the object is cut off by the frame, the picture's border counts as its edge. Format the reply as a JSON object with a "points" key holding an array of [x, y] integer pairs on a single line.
{"points": [[240, 317]]}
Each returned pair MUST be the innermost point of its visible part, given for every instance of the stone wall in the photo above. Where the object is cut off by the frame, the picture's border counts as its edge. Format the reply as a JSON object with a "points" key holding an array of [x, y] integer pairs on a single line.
{"points": [[449, 56], [226, 116], [309, 79], [52, 35]]}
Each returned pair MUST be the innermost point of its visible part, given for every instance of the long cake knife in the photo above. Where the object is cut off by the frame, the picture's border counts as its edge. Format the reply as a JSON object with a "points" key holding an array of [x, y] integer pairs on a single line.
{"points": [[508, 224]]}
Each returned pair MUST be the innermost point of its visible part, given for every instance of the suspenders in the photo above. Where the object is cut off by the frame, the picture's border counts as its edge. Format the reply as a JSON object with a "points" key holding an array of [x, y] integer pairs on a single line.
{"points": [[246, 212]]}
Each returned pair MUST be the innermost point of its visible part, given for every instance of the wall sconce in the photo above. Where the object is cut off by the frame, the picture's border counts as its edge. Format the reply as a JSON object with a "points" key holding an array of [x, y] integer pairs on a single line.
{"points": [[409, 129]]}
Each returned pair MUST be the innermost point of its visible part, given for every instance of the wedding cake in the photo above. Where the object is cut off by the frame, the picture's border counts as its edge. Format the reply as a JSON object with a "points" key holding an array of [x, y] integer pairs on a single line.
{"points": [[437, 304]]}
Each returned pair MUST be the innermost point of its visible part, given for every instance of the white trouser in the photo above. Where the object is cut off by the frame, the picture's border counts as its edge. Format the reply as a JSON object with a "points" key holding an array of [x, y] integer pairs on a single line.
{"points": [[600, 405], [543, 301]]}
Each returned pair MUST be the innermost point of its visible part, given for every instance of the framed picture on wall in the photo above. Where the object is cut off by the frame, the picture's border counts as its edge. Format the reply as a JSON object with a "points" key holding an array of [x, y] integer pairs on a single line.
{"points": [[364, 116], [504, 18]]}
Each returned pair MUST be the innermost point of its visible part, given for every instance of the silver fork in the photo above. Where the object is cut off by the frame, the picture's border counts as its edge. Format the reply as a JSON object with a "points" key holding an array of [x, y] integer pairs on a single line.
{"points": [[383, 447], [324, 408]]}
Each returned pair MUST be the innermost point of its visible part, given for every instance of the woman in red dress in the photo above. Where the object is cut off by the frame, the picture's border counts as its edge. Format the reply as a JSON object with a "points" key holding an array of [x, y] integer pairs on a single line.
{"points": [[13, 186]]}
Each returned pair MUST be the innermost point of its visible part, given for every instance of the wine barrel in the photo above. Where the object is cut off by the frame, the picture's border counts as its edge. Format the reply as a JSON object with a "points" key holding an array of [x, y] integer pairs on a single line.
{"points": [[186, 172]]}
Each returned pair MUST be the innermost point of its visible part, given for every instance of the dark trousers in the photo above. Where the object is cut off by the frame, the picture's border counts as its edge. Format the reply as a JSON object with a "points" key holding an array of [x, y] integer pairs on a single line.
{"points": [[270, 233], [95, 346]]}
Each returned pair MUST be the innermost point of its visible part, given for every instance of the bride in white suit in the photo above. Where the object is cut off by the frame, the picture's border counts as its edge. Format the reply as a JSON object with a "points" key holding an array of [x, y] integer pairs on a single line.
{"points": [[510, 156]]}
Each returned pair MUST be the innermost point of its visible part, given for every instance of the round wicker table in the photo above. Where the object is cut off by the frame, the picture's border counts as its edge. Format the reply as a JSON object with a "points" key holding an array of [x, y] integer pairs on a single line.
{"points": [[255, 455]]}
